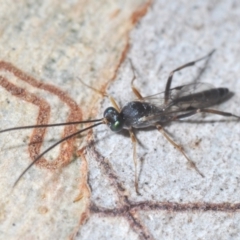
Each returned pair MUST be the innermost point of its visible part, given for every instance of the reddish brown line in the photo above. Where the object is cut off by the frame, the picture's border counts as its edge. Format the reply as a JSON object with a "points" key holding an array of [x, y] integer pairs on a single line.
{"points": [[43, 115], [167, 206], [141, 12], [66, 148], [129, 210], [138, 226], [136, 16], [110, 174]]}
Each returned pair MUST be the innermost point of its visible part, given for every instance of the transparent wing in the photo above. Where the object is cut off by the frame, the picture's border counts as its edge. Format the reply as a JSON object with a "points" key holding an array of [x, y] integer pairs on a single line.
{"points": [[195, 95]]}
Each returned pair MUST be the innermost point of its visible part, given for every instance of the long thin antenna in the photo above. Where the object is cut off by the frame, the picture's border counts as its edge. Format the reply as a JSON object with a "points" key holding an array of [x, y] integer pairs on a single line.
{"points": [[54, 145], [49, 125]]}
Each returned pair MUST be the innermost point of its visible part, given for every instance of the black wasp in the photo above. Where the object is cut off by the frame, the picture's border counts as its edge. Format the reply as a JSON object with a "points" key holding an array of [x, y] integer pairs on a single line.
{"points": [[177, 103]]}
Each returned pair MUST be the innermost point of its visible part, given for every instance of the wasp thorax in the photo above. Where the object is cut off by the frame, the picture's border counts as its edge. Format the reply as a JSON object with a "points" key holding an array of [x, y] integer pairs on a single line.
{"points": [[114, 119]]}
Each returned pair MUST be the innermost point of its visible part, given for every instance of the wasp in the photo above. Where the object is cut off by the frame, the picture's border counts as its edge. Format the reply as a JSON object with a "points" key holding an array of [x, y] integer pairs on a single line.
{"points": [[157, 111]]}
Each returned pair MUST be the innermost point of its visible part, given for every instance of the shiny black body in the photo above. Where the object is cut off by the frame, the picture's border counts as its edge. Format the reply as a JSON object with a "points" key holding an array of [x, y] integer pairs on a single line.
{"points": [[138, 114]]}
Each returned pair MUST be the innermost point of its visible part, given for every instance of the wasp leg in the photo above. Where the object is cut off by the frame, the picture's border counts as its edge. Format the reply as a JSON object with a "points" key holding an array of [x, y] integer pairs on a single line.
{"points": [[169, 81], [134, 89], [179, 148], [134, 143], [104, 94], [199, 110], [114, 103], [213, 111]]}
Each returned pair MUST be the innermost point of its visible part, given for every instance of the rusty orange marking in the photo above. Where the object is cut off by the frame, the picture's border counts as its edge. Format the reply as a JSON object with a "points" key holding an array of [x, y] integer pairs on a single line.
{"points": [[115, 13], [75, 114], [43, 210], [135, 17], [141, 11], [84, 188]]}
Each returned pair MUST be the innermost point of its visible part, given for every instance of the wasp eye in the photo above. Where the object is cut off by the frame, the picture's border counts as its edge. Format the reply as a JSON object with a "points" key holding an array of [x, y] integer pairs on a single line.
{"points": [[114, 119]]}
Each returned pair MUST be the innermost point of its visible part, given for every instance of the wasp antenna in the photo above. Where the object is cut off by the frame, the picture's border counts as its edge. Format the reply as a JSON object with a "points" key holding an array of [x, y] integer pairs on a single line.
{"points": [[54, 145], [50, 125]]}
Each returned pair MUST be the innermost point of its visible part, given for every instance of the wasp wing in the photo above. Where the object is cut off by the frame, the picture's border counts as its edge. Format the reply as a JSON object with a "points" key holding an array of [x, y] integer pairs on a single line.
{"points": [[193, 95], [183, 99]]}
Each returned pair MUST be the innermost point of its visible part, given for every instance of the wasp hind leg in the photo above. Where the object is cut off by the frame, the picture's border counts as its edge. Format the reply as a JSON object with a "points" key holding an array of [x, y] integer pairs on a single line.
{"points": [[134, 143], [179, 148], [134, 89], [189, 64]]}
